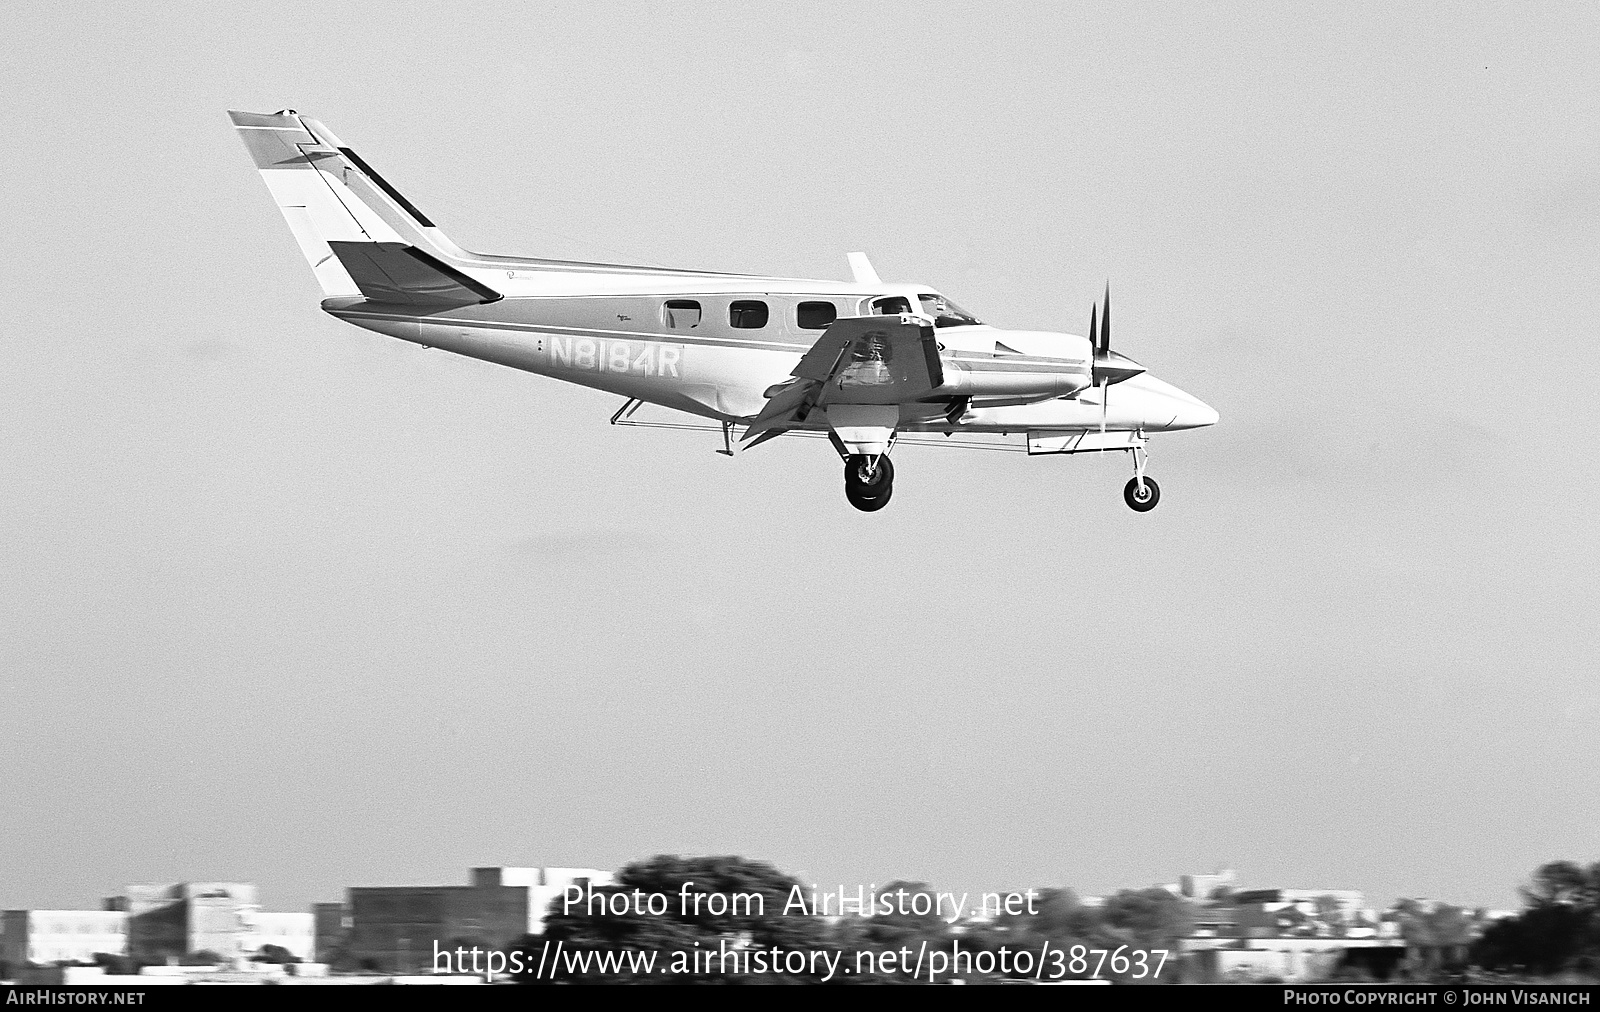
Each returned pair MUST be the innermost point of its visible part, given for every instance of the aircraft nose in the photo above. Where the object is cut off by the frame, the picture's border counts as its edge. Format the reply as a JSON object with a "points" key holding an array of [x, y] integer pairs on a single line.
{"points": [[1195, 415], [1160, 406], [1187, 412]]}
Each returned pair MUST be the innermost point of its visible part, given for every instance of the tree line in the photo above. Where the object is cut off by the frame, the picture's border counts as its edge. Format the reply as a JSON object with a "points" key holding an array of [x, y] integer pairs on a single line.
{"points": [[1132, 921], [1556, 932]]}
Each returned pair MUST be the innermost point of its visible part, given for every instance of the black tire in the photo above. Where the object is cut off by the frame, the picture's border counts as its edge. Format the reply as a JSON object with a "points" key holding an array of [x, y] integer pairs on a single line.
{"points": [[868, 503], [882, 475], [868, 494], [1130, 495]]}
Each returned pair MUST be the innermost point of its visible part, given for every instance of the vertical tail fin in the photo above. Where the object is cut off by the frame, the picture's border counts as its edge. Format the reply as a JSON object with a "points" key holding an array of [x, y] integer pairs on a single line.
{"points": [[337, 207]]}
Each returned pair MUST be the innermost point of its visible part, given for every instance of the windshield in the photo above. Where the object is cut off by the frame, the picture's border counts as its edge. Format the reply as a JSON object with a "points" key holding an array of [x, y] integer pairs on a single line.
{"points": [[946, 313]]}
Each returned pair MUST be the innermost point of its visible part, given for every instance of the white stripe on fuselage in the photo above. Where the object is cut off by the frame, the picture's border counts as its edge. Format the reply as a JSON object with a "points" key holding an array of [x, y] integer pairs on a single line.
{"points": [[725, 379], [683, 337]]}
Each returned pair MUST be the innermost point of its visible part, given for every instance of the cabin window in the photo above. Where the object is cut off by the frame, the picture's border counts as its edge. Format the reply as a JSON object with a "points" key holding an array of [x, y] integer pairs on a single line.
{"points": [[816, 315], [748, 314], [890, 306], [682, 314]]}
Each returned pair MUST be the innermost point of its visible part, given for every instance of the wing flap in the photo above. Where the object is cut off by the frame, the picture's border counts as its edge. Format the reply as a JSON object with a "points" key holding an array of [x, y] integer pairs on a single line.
{"points": [[889, 360], [860, 360], [823, 357], [787, 405]]}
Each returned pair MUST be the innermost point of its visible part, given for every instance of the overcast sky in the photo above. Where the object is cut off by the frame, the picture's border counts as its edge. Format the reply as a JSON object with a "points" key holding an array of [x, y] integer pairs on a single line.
{"points": [[286, 601]]}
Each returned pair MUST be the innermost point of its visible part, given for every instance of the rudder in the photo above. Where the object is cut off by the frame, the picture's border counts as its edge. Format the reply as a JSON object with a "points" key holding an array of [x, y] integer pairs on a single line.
{"points": [[339, 209]]}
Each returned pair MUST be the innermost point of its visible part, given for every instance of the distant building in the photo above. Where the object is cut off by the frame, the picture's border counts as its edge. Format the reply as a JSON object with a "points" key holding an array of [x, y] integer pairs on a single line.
{"points": [[155, 924], [399, 928], [1345, 900], [330, 929], [1202, 888], [1214, 960], [167, 922], [53, 936], [1283, 934], [292, 932]]}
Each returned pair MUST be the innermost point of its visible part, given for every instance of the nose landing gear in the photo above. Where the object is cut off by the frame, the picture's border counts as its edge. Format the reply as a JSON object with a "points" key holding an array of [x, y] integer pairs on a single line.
{"points": [[868, 481], [1141, 493]]}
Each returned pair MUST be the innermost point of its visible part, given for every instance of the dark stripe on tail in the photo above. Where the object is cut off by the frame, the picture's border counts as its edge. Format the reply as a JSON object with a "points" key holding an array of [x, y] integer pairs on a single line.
{"points": [[383, 185]]}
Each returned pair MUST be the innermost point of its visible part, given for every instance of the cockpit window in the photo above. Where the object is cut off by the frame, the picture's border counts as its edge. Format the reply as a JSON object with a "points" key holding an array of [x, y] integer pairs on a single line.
{"points": [[946, 313], [891, 305]]}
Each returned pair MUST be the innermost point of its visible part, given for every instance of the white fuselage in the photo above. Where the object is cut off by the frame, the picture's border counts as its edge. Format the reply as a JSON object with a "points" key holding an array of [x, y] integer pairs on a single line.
{"points": [[698, 343]]}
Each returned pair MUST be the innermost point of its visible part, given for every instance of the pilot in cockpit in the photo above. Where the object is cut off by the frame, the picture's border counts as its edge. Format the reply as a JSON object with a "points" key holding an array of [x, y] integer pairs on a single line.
{"points": [[946, 313]]}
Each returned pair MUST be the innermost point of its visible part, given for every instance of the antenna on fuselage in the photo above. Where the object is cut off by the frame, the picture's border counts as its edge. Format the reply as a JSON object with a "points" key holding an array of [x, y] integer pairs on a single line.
{"points": [[861, 269]]}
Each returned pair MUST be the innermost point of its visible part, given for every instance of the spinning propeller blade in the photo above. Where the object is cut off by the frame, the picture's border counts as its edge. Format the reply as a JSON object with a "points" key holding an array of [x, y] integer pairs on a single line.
{"points": [[1105, 326], [1109, 367]]}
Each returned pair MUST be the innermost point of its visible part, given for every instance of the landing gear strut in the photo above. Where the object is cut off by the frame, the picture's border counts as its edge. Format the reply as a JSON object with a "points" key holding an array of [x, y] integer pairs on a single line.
{"points": [[868, 480], [1141, 493]]}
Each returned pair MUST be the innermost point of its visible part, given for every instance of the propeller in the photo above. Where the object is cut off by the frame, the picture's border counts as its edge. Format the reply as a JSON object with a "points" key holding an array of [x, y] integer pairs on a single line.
{"points": [[1109, 367]]}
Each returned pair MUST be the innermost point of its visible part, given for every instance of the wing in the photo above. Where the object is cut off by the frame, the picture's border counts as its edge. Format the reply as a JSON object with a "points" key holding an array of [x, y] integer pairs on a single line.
{"points": [[876, 360]]}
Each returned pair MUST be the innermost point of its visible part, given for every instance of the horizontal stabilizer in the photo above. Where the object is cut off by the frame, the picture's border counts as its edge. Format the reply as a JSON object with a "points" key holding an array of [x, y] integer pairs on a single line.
{"points": [[395, 272]]}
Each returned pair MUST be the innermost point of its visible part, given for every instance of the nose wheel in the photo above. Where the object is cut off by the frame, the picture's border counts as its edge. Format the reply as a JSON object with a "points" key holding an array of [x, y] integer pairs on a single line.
{"points": [[1141, 493], [1141, 498], [868, 481]]}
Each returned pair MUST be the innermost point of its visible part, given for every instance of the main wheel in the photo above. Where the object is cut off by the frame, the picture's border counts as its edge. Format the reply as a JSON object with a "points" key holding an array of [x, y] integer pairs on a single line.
{"points": [[856, 474], [1145, 501], [868, 491], [868, 503]]}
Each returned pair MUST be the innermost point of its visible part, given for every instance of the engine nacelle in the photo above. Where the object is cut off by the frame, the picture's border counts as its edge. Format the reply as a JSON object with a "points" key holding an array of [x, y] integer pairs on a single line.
{"points": [[1007, 379]]}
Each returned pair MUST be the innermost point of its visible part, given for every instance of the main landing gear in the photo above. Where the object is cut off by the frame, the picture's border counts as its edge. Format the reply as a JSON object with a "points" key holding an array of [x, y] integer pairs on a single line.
{"points": [[868, 480]]}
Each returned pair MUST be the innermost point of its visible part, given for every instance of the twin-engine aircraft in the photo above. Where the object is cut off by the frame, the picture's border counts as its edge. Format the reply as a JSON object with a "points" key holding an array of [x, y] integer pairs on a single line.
{"points": [[860, 362]]}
